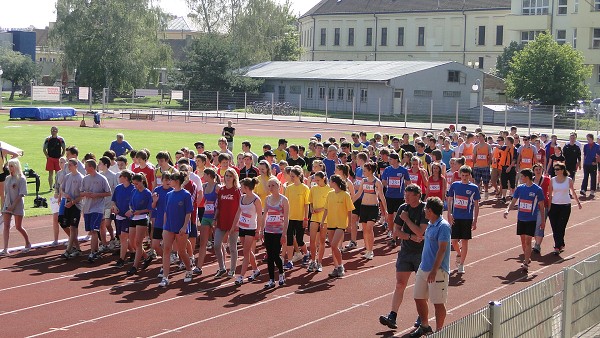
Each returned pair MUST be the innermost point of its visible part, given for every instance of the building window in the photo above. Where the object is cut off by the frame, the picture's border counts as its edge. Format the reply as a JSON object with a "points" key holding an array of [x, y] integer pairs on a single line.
{"points": [[452, 93], [384, 36], [423, 93], [499, 35], [481, 62], [421, 37], [340, 94], [309, 93], [481, 36], [336, 37], [321, 93], [575, 6], [350, 36], [331, 94], [400, 36], [535, 7], [574, 37], [561, 36], [369, 37], [454, 76], [562, 7], [323, 36], [350, 94], [528, 36], [597, 5], [363, 95], [596, 38]]}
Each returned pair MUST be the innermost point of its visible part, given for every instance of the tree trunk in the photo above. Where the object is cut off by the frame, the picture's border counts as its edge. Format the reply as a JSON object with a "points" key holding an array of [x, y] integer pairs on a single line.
{"points": [[12, 91]]}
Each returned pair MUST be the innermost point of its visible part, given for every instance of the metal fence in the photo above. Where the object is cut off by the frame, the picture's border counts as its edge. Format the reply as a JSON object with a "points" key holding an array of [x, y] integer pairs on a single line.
{"points": [[561, 305]]}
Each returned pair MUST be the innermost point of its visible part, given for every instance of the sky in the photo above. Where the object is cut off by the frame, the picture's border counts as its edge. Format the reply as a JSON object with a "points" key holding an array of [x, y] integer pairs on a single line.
{"points": [[38, 13]]}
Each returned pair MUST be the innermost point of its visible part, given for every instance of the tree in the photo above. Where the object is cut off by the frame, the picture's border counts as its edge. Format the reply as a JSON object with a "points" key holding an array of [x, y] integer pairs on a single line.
{"points": [[504, 59], [548, 72], [111, 43], [216, 16], [18, 69]]}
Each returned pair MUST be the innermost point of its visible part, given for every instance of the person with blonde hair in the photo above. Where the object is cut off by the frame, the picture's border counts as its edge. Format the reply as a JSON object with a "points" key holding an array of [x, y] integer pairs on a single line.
{"points": [[226, 207], [14, 203]]}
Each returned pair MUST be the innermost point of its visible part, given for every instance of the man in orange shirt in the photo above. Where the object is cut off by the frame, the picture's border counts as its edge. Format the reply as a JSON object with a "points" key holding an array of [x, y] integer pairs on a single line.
{"points": [[527, 154], [483, 159]]}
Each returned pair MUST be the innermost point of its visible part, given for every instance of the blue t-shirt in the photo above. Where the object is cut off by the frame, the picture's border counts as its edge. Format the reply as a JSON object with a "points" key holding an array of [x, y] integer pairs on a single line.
{"points": [[141, 200], [329, 166], [436, 232], [446, 156], [179, 204], [590, 152], [120, 148], [122, 197], [159, 212], [464, 198], [529, 198], [395, 181]]}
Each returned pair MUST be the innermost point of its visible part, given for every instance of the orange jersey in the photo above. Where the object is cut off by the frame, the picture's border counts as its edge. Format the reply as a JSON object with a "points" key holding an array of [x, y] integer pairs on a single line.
{"points": [[468, 154], [497, 155], [527, 157], [482, 156]]}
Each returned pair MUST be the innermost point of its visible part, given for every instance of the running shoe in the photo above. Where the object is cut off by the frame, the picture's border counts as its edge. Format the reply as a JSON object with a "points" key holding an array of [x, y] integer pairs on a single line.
{"points": [[270, 284], [146, 262], [288, 266], [370, 255], [188, 276], [342, 271], [592, 194], [220, 273], [417, 322], [65, 255], [5, 253], [281, 279], [117, 243], [174, 258], [132, 271], [335, 273], [421, 331], [556, 251], [388, 321], [86, 238], [319, 267], [306, 259], [209, 245], [297, 256], [164, 282], [111, 245], [181, 266], [53, 244], [460, 269], [103, 248], [231, 273], [582, 193], [92, 257], [75, 253], [239, 280], [254, 275], [525, 267], [131, 257], [27, 248], [197, 270], [160, 273], [351, 245], [120, 263], [536, 248], [311, 266]]}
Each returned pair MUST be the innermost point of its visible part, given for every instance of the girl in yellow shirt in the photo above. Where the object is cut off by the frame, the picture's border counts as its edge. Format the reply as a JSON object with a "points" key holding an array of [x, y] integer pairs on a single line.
{"points": [[318, 198]]}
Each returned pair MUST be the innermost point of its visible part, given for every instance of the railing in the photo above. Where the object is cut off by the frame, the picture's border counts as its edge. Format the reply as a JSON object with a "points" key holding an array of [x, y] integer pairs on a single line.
{"points": [[561, 305]]}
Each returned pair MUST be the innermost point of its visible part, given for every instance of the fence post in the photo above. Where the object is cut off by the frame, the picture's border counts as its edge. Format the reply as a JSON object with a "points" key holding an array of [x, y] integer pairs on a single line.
{"points": [[576, 113], [133, 97], [481, 110], [505, 116], [300, 108], [495, 319], [326, 110], [245, 105], [353, 109], [456, 119], [405, 112], [529, 119], [431, 116], [553, 115], [272, 106], [217, 103], [567, 303], [379, 113]]}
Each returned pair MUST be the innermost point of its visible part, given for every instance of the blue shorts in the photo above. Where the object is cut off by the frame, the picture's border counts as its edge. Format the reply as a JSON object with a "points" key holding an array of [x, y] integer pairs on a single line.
{"points": [[540, 232], [92, 221], [61, 206], [175, 228], [123, 225]]}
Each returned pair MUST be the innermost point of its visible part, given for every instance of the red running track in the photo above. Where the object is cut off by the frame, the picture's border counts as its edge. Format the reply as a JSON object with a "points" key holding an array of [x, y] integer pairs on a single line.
{"points": [[43, 295]]}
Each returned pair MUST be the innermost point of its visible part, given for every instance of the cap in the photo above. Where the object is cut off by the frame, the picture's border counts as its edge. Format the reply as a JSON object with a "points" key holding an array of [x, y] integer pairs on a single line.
{"points": [[269, 153], [318, 136]]}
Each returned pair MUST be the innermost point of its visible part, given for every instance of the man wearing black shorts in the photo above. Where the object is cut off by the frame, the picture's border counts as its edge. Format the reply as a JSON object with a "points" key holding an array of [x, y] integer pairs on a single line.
{"points": [[409, 226]]}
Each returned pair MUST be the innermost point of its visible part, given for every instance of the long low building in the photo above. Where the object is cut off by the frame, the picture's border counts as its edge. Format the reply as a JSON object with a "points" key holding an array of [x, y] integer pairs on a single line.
{"points": [[372, 86]]}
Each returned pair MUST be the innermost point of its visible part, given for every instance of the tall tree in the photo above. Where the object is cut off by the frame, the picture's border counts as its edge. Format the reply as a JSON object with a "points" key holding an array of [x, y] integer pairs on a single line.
{"points": [[112, 43], [503, 60], [17, 68], [549, 72], [216, 16]]}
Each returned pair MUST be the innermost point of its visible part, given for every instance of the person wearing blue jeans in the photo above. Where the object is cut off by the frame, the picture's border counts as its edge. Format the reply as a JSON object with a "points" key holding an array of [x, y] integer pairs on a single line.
{"points": [[591, 152]]}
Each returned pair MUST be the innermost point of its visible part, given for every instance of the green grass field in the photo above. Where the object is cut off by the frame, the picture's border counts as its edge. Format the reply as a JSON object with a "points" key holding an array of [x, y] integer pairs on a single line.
{"points": [[30, 136]]}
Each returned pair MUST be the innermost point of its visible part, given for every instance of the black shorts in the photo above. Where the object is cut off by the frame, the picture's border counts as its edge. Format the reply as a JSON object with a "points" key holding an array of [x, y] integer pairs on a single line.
{"points": [[357, 205], [408, 261], [461, 229], [393, 204], [246, 232], [200, 212], [139, 222], [157, 233], [295, 230], [369, 213], [71, 217], [193, 231], [122, 225], [526, 228]]}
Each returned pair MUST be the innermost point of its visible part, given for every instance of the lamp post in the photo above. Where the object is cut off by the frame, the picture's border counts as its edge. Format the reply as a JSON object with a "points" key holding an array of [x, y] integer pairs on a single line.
{"points": [[473, 64], [1, 72], [477, 87]]}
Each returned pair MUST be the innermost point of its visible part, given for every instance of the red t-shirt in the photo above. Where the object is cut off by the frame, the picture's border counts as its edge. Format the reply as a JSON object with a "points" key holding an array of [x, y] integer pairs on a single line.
{"points": [[228, 202], [545, 185], [191, 188], [149, 172]]}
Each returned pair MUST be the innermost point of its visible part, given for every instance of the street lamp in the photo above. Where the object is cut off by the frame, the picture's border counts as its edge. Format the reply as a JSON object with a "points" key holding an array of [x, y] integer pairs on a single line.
{"points": [[477, 87], [473, 64], [1, 72]]}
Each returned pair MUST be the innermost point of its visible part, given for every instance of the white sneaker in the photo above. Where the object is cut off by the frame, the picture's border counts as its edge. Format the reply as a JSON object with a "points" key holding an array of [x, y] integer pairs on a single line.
{"points": [[188, 276], [164, 282], [174, 258], [461, 269], [53, 244], [369, 255], [319, 267], [297, 256], [4, 253], [111, 245]]}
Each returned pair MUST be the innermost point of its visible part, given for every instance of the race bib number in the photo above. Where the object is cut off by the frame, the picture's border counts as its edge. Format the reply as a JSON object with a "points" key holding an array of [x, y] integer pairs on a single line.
{"points": [[209, 208], [468, 157], [273, 218], [368, 187], [482, 157], [434, 187], [414, 178], [526, 160], [525, 206], [395, 183], [461, 202], [158, 181], [244, 221], [538, 157]]}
